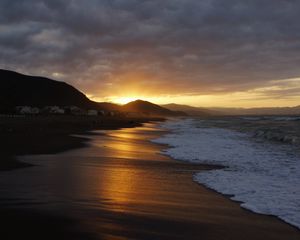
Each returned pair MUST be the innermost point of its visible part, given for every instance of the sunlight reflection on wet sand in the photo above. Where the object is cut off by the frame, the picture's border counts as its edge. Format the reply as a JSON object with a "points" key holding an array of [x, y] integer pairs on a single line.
{"points": [[120, 187]]}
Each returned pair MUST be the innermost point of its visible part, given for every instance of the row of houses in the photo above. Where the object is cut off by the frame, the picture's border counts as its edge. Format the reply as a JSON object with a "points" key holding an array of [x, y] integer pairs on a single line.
{"points": [[67, 110]]}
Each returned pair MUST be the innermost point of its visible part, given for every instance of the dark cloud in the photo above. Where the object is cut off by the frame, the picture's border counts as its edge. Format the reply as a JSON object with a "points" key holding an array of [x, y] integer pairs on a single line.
{"points": [[170, 46]]}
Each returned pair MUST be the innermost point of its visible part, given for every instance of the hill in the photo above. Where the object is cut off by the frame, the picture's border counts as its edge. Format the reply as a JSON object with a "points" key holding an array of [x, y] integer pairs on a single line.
{"points": [[148, 108], [18, 90]]}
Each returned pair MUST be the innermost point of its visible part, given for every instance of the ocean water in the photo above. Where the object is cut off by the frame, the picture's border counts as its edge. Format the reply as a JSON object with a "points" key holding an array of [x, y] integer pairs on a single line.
{"points": [[281, 129], [264, 175]]}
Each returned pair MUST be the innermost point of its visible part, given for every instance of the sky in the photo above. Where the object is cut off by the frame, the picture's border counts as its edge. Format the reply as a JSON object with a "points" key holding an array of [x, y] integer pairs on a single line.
{"points": [[233, 53]]}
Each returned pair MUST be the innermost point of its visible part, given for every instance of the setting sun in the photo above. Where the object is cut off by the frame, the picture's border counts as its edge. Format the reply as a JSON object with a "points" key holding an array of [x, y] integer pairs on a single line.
{"points": [[124, 100]]}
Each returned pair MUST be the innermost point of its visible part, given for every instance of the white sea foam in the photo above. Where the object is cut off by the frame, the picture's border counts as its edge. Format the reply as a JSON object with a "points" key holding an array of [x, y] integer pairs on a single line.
{"points": [[263, 176]]}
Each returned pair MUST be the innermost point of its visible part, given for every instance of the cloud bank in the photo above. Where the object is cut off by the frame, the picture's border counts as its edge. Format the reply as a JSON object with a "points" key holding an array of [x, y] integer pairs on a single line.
{"points": [[189, 47]]}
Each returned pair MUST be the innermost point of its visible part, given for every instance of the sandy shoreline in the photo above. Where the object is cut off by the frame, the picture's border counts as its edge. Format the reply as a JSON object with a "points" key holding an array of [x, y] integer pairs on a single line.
{"points": [[120, 187], [25, 135]]}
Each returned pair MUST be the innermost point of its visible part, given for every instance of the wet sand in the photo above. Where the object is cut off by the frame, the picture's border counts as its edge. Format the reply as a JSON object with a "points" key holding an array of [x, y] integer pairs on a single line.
{"points": [[20, 135], [120, 187]]}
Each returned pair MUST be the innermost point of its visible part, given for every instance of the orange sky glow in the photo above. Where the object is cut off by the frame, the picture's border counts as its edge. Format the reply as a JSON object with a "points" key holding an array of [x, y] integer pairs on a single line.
{"points": [[199, 53], [258, 97]]}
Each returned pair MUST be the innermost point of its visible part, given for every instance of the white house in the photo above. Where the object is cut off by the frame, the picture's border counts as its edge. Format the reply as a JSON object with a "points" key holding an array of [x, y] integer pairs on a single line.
{"points": [[27, 110], [92, 113], [53, 110]]}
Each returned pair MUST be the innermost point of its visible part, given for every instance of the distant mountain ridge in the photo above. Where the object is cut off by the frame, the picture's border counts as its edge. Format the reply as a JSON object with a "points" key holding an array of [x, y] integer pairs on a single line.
{"points": [[200, 111], [192, 111], [22, 90]]}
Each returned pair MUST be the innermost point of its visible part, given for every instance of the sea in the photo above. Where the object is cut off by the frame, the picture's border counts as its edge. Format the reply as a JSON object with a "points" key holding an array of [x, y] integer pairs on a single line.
{"points": [[260, 157]]}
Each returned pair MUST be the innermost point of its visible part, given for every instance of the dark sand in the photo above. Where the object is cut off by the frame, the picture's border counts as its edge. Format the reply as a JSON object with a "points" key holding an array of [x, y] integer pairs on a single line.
{"points": [[119, 187], [21, 135]]}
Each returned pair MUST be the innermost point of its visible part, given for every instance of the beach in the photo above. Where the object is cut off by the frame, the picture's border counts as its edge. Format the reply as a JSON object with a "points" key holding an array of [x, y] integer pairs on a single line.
{"points": [[117, 185], [23, 135]]}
